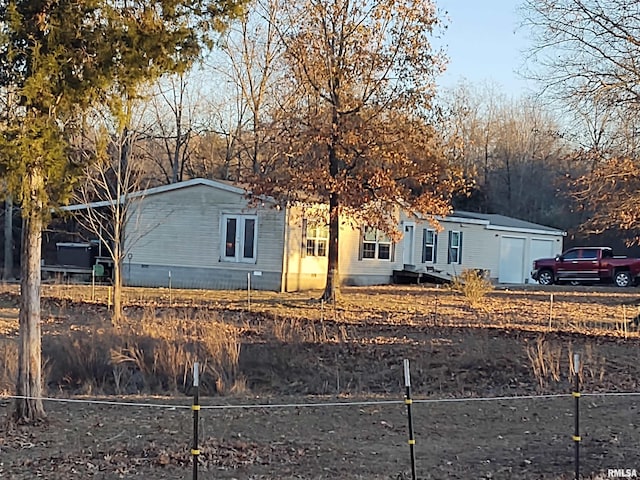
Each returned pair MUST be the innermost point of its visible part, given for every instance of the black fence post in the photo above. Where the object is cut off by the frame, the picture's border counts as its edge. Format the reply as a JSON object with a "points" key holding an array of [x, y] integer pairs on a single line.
{"points": [[196, 410], [576, 396], [408, 402]]}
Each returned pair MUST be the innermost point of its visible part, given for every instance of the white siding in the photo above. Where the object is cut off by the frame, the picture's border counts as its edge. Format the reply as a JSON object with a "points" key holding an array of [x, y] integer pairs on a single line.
{"points": [[480, 246], [182, 228], [302, 272], [179, 230], [364, 271]]}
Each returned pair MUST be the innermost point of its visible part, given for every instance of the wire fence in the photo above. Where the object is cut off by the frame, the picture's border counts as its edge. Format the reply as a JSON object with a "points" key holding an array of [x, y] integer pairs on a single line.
{"points": [[528, 436]]}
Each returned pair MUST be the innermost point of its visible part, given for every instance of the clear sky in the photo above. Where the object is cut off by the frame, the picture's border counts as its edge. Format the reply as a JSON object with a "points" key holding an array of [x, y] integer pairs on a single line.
{"points": [[484, 43]]}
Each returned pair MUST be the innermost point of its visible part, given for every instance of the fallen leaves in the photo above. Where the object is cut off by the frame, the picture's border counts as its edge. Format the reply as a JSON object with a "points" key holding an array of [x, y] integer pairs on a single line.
{"points": [[125, 459]]}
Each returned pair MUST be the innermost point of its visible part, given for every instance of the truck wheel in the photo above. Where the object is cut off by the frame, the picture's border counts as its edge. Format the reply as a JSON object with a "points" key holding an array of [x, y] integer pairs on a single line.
{"points": [[622, 279], [545, 277]]}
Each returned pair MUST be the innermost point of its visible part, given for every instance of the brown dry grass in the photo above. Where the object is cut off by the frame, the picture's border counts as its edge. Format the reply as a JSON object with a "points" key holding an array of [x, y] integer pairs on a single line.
{"points": [[511, 342], [166, 331], [589, 310]]}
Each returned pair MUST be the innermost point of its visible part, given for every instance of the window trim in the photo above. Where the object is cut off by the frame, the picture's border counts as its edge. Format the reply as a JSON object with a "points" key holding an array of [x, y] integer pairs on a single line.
{"points": [[377, 243], [306, 226], [457, 248], [433, 246], [239, 245]]}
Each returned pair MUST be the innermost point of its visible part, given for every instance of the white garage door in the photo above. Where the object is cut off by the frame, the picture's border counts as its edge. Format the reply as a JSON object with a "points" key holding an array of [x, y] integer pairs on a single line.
{"points": [[511, 267], [540, 249]]}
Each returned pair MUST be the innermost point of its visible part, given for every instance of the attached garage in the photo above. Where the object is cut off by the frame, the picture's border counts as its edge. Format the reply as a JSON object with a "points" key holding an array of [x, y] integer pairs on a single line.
{"points": [[503, 246], [511, 268]]}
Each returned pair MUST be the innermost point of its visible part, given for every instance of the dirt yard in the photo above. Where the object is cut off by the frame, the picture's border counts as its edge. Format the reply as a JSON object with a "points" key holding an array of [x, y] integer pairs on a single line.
{"points": [[293, 350]]}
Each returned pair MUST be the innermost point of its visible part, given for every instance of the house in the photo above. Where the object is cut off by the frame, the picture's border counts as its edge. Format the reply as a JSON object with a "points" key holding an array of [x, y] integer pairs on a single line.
{"points": [[203, 234], [502, 247], [207, 234]]}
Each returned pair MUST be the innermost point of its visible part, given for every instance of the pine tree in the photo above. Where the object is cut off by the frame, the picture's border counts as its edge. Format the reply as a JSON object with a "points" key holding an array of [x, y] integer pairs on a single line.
{"points": [[63, 57]]}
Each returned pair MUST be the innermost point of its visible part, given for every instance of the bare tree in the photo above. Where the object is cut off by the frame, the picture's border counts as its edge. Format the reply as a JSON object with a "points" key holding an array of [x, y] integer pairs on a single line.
{"points": [[587, 52], [517, 147], [172, 125], [469, 130], [528, 161], [586, 48], [104, 193], [219, 152], [252, 69], [256, 53]]}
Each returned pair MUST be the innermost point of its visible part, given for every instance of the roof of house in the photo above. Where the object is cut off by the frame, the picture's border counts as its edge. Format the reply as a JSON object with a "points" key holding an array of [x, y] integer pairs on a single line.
{"points": [[491, 221], [161, 189], [496, 221]]}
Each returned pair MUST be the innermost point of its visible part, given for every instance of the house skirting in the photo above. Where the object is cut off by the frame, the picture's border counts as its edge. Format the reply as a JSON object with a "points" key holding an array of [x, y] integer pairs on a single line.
{"points": [[305, 281], [141, 275]]}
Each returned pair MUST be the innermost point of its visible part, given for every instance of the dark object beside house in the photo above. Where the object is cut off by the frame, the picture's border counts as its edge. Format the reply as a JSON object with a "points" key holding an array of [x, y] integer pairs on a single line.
{"points": [[81, 260], [75, 254]]}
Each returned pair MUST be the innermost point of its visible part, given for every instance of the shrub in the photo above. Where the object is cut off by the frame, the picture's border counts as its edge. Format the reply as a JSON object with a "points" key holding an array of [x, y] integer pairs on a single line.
{"points": [[473, 285], [163, 348], [79, 362]]}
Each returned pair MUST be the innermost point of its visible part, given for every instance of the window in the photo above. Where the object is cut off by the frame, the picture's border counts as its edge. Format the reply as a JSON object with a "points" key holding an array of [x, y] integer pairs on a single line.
{"points": [[429, 242], [239, 233], [317, 237], [589, 255], [571, 255], [455, 247], [376, 244]]}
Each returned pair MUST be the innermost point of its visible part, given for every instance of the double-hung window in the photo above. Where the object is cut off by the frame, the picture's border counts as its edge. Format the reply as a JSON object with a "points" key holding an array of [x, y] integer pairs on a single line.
{"points": [[239, 238], [376, 244], [316, 239], [455, 247], [429, 242]]}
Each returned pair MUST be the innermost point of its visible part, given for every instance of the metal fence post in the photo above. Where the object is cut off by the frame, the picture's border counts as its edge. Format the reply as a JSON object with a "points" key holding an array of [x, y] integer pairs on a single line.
{"points": [[196, 409], [248, 291], [408, 402], [576, 396]]}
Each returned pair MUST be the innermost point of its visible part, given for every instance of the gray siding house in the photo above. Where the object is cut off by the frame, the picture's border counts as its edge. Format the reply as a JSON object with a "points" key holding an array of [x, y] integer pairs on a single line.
{"points": [[206, 234], [203, 234], [504, 247]]}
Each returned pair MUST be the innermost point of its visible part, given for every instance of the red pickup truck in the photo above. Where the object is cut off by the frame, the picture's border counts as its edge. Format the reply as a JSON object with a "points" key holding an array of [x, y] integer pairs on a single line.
{"points": [[587, 265]]}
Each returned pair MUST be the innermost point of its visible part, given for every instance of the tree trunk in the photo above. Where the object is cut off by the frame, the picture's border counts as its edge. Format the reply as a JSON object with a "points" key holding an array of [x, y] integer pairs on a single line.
{"points": [[175, 161], [116, 317], [30, 409], [119, 221], [332, 287], [7, 271]]}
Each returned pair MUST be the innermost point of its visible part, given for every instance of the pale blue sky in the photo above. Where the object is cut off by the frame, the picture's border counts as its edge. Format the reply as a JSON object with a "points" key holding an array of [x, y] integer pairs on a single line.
{"points": [[484, 43]]}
